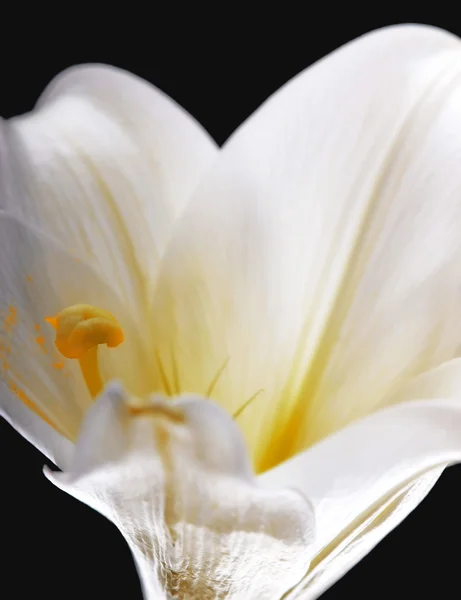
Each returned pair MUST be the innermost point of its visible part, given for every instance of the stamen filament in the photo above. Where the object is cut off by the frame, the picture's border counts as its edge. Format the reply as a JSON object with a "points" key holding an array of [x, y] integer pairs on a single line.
{"points": [[89, 365], [163, 376], [215, 379], [240, 410]]}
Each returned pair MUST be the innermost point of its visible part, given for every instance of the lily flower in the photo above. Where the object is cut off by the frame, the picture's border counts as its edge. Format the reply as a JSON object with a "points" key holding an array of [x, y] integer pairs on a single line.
{"points": [[247, 358]]}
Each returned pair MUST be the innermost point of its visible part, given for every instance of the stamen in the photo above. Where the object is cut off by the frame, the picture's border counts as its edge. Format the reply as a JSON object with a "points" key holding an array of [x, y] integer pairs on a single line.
{"points": [[240, 410], [163, 376], [215, 379], [176, 384], [79, 331], [89, 366]]}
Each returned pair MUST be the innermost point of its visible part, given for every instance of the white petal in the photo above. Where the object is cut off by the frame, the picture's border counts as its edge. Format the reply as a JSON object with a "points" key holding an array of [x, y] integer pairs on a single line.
{"points": [[52, 444], [349, 551], [177, 483], [38, 279], [321, 259], [105, 164], [364, 480]]}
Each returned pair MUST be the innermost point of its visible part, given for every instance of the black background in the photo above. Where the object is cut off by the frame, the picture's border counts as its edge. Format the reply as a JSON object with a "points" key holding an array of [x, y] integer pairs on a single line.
{"points": [[220, 66]]}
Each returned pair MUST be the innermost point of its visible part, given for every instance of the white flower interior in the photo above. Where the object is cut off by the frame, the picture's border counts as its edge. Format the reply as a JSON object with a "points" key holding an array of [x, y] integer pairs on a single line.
{"points": [[304, 276]]}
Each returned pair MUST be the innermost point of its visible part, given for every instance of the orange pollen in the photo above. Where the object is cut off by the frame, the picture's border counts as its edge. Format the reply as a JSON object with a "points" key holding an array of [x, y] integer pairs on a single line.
{"points": [[80, 329]]}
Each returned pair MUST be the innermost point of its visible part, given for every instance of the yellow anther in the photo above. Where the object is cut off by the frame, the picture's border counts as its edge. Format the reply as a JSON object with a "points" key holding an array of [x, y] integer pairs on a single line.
{"points": [[79, 331]]}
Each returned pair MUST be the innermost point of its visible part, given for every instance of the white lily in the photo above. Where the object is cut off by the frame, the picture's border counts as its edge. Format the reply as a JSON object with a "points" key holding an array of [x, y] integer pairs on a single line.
{"points": [[299, 321]]}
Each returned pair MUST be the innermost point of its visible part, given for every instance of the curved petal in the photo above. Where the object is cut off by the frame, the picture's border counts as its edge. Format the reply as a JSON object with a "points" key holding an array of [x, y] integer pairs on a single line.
{"points": [[329, 567], [39, 279], [175, 479], [104, 165], [364, 480], [319, 262]]}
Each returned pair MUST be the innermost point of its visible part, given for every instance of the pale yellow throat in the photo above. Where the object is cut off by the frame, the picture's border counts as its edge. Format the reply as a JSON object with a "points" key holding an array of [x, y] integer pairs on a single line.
{"points": [[79, 331], [81, 328]]}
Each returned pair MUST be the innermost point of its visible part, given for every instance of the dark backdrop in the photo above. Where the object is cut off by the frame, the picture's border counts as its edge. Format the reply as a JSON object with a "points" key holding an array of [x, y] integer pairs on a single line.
{"points": [[220, 66]]}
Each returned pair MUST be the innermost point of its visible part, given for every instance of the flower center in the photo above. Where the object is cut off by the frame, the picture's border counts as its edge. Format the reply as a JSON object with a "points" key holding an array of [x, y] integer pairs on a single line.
{"points": [[79, 331]]}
